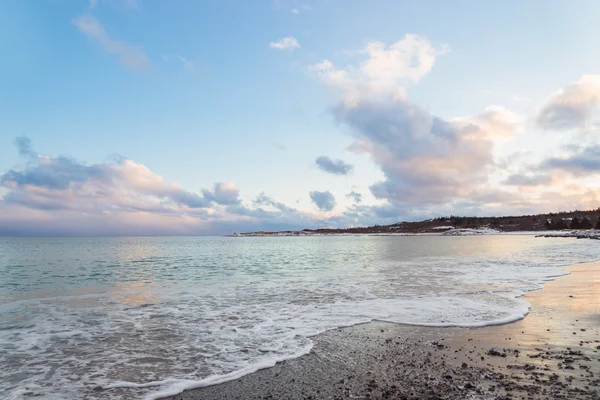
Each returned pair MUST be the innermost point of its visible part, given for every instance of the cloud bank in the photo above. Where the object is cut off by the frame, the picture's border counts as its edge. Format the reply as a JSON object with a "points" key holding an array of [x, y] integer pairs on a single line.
{"points": [[63, 196]]}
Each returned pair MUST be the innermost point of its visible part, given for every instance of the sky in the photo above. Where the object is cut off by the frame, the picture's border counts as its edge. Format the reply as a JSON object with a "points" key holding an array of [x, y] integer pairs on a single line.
{"points": [[147, 117]]}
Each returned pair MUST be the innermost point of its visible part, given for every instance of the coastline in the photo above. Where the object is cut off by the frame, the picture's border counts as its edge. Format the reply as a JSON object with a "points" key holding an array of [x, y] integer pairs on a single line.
{"points": [[568, 233], [554, 352]]}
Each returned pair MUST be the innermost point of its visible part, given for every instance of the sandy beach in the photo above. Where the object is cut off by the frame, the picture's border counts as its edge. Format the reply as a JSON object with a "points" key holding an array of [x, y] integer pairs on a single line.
{"points": [[554, 353]]}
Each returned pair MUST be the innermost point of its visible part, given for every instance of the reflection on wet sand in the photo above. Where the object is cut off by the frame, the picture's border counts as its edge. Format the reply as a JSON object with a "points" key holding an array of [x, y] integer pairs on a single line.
{"points": [[564, 306]]}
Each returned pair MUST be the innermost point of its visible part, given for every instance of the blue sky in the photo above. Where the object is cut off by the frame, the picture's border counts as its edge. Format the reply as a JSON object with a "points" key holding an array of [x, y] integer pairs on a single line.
{"points": [[239, 94]]}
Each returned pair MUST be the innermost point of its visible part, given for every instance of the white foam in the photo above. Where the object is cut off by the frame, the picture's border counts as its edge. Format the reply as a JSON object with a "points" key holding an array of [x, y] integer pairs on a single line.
{"points": [[214, 325], [170, 387]]}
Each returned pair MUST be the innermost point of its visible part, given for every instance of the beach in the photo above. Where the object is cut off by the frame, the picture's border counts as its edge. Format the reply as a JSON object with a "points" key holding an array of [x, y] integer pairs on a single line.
{"points": [[258, 317], [553, 353], [299, 199]]}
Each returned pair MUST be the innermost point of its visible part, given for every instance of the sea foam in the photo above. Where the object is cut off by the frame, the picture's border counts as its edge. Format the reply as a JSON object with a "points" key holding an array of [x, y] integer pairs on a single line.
{"points": [[187, 313]]}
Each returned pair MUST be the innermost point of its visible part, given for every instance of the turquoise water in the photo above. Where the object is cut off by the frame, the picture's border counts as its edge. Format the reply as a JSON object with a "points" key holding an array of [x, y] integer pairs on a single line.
{"points": [[103, 318]]}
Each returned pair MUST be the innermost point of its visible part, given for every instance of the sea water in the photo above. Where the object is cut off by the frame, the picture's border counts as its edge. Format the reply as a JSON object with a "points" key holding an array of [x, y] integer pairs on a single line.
{"points": [[111, 318]]}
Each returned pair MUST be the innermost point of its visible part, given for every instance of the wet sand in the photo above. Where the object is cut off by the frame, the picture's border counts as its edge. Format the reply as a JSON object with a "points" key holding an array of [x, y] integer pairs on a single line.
{"points": [[554, 353]]}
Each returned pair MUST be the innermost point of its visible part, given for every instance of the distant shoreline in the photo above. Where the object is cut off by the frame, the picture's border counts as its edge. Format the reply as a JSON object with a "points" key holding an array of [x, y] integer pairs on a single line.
{"points": [[558, 224], [579, 234]]}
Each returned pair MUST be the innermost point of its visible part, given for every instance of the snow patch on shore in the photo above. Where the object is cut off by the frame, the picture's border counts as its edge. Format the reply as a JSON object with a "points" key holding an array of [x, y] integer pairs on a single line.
{"points": [[472, 231]]}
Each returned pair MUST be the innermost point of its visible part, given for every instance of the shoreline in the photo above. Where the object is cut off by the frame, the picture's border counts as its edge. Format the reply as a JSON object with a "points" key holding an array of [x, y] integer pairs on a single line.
{"points": [[553, 351], [567, 233]]}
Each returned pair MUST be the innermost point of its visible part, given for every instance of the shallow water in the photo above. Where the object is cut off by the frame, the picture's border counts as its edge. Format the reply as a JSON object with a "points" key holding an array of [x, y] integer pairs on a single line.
{"points": [[102, 318]]}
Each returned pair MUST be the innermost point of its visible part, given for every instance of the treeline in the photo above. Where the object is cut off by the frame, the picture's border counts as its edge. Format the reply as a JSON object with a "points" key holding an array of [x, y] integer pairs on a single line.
{"points": [[577, 219], [575, 223]]}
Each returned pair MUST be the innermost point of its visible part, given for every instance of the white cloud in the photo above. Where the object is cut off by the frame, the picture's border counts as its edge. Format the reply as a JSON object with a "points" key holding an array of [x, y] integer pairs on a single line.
{"points": [[385, 70], [495, 122], [295, 11], [323, 66], [128, 55], [427, 161], [287, 43], [410, 58], [573, 106]]}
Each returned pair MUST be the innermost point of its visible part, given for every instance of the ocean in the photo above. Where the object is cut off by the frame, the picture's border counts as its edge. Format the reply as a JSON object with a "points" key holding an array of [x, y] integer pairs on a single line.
{"points": [[113, 318]]}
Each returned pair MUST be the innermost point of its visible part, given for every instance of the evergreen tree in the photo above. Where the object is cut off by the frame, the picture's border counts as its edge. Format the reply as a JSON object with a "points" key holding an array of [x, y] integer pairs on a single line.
{"points": [[559, 225], [585, 223], [575, 224]]}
